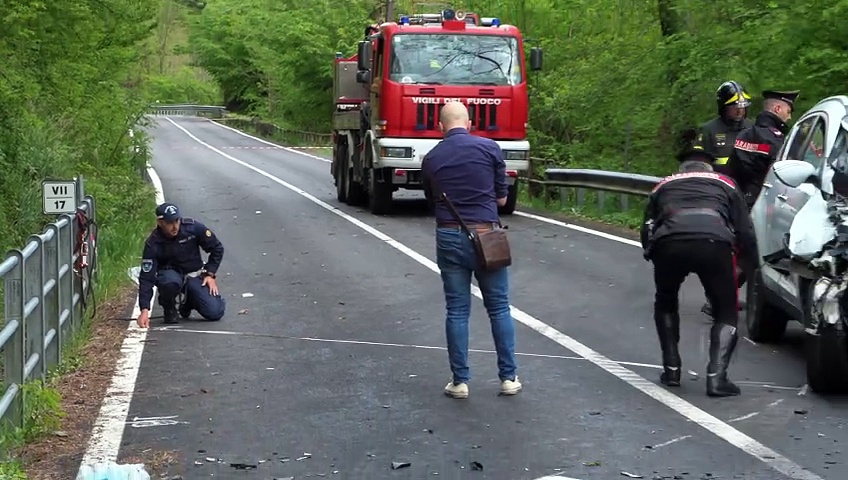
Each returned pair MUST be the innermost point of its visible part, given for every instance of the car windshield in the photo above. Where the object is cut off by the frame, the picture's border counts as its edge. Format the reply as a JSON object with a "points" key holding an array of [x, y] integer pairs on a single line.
{"points": [[451, 59], [839, 155]]}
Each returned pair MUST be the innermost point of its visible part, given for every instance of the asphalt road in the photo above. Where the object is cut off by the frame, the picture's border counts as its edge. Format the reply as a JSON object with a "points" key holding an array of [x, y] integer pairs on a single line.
{"points": [[338, 354]]}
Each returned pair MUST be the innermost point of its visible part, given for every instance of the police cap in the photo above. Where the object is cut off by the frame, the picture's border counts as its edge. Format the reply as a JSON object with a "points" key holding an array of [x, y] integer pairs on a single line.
{"points": [[784, 96], [692, 151], [168, 212], [695, 153]]}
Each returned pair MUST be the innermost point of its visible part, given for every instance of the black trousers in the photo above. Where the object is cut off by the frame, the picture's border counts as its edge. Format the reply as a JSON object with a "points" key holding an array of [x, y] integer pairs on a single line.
{"points": [[714, 263]]}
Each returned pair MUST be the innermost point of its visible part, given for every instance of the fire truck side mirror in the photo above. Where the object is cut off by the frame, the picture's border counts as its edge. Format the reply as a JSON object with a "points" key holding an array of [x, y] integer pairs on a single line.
{"points": [[363, 62], [363, 76], [535, 58]]}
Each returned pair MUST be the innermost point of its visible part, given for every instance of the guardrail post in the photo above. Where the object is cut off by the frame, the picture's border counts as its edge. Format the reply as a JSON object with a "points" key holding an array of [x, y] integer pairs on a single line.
{"points": [[14, 350], [53, 298], [76, 281], [66, 280], [34, 289]]}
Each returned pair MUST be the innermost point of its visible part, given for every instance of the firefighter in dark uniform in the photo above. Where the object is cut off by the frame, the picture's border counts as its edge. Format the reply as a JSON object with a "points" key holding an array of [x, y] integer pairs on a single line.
{"points": [[719, 134], [756, 147], [171, 261], [695, 222]]}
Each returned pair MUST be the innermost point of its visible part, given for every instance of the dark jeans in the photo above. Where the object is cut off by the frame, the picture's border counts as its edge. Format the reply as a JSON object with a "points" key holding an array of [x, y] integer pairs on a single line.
{"points": [[170, 282], [457, 261]]}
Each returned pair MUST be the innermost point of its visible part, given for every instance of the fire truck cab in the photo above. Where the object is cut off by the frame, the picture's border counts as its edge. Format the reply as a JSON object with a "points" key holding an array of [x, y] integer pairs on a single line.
{"points": [[388, 98]]}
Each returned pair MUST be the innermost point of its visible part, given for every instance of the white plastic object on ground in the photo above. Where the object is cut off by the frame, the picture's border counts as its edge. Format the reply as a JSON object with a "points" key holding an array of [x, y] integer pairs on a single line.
{"points": [[113, 471]]}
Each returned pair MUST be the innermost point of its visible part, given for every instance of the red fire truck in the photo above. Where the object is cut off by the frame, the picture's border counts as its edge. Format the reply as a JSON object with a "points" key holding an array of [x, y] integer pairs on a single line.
{"points": [[388, 98]]}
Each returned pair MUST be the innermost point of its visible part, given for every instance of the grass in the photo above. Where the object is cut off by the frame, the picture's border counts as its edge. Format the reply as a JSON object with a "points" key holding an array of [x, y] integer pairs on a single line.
{"points": [[605, 207], [119, 243]]}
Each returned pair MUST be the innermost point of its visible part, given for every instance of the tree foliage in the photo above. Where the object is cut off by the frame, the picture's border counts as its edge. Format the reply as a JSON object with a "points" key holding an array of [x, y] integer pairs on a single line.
{"points": [[67, 102], [621, 77]]}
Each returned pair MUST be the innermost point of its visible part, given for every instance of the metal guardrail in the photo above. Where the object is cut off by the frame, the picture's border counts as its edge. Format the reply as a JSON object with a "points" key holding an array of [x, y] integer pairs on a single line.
{"points": [[44, 301], [210, 111], [617, 182], [287, 136]]}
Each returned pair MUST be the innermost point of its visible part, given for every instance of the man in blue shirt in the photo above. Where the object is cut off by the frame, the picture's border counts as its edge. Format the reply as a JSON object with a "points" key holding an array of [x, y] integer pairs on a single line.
{"points": [[472, 171]]}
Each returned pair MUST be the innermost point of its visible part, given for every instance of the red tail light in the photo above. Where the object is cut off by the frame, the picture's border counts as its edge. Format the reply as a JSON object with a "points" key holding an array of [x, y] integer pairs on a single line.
{"points": [[512, 173]]}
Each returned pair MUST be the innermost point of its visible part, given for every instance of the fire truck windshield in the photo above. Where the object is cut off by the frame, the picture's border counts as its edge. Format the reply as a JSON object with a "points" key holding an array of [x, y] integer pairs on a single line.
{"points": [[450, 59]]}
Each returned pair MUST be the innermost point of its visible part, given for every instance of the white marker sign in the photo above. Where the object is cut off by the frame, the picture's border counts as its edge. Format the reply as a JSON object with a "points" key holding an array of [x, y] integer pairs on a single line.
{"points": [[59, 196]]}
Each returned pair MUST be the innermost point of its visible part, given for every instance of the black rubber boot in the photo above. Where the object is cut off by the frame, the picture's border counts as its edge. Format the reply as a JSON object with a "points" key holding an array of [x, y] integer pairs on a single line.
{"points": [[723, 340], [668, 330], [170, 315], [185, 307]]}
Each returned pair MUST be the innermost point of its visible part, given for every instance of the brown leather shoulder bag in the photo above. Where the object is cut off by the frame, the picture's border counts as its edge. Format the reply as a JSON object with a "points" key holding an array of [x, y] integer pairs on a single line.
{"points": [[492, 246]]}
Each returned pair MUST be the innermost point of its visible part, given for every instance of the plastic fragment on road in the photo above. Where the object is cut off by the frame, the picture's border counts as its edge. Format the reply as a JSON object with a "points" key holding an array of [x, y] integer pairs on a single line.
{"points": [[113, 471]]}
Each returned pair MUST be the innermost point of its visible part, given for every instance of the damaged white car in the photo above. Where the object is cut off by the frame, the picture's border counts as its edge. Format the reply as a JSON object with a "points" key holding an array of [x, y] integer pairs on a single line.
{"points": [[801, 224]]}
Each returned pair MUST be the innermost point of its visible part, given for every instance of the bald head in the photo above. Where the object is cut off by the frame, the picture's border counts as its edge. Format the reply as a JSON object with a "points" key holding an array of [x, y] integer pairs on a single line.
{"points": [[453, 115]]}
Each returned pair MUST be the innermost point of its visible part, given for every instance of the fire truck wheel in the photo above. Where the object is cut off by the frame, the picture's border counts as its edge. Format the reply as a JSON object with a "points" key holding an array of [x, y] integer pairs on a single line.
{"points": [[379, 194], [341, 173], [511, 201]]}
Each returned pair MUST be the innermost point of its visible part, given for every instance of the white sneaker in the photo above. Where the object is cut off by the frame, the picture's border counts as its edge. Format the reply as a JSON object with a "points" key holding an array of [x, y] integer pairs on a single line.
{"points": [[510, 387], [456, 391]]}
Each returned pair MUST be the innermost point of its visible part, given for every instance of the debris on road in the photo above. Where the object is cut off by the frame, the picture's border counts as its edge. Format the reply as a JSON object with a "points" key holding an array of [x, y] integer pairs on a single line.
{"points": [[631, 475], [399, 465], [247, 295], [476, 466]]}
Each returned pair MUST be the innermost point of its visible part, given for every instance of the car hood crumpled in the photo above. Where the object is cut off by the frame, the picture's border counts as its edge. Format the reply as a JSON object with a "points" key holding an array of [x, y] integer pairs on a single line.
{"points": [[812, 226]]}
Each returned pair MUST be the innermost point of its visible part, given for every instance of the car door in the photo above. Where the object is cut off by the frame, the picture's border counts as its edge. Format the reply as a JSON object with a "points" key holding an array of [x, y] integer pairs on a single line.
{"points": [[807, 144]]}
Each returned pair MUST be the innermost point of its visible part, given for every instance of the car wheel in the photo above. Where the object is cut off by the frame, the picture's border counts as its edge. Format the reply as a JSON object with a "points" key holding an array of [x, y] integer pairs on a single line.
{"points": [[826, 351], [765, 322]]}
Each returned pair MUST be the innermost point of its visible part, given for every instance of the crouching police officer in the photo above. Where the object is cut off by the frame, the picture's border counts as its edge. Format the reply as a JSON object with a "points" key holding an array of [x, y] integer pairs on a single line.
{"points": [[694, 222], [171, 261]]}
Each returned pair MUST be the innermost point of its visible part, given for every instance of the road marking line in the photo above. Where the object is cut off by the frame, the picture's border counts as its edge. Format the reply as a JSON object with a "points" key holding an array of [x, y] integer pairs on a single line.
{"points": [[172, 328], [673, 440], [104, 444], [266, 142], [743, 417], [570, 226], [722, 429]]}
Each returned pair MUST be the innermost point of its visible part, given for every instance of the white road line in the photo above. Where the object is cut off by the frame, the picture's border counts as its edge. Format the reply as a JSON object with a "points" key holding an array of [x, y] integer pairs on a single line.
{"points": [[105, 441], [673, 440], [551, 221], [743, 417], [382, 344], [722, 429], [266, 142], [556, 477]]}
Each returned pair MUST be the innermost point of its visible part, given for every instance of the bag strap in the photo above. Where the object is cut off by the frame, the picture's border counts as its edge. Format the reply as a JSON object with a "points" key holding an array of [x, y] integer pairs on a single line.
{"points": [[456, 216], [454, 213]]}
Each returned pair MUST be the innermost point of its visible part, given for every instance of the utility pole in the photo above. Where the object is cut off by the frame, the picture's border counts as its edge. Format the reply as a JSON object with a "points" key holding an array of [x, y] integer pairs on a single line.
{"points": [[390, 10]]}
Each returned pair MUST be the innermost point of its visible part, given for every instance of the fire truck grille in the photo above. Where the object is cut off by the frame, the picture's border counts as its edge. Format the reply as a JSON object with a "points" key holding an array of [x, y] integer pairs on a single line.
{"points": [[483, 117]]}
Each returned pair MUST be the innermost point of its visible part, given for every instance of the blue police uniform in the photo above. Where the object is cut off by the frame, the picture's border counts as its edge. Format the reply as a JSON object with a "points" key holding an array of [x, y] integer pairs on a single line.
{"points": [[174, 265]]}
